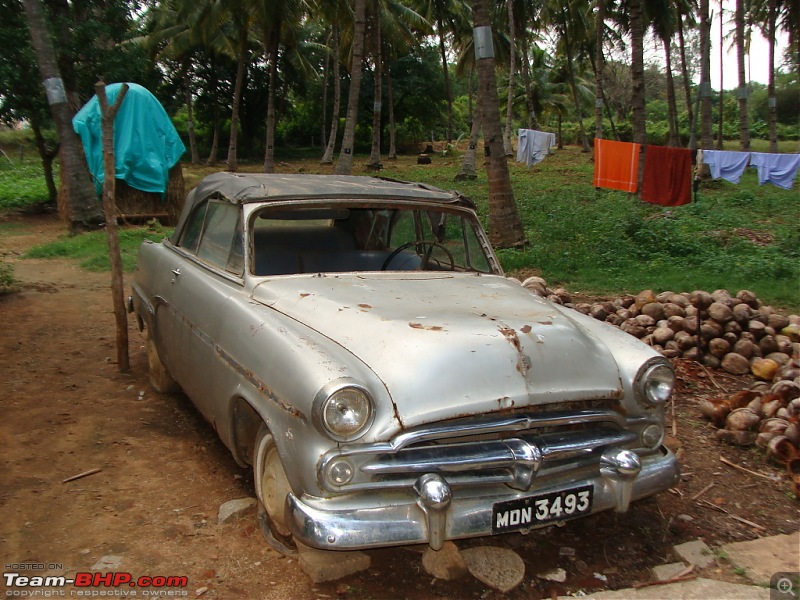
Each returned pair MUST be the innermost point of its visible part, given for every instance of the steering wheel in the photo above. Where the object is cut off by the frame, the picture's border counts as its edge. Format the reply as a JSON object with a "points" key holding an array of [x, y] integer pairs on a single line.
{"points": [[426, 256]]}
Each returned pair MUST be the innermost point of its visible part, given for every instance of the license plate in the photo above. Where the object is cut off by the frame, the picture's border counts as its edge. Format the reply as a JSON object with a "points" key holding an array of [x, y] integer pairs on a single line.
{"points": [[522, 513]]}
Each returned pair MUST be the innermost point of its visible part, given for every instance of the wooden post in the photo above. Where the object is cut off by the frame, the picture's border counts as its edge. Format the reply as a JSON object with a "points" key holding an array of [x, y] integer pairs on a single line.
{"points": [[108, 114]]}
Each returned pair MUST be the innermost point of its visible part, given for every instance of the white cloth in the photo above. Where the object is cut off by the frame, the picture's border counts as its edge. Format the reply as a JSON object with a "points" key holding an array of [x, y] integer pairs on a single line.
{"points": [[726, 164], [533, 145], [778, 169]]}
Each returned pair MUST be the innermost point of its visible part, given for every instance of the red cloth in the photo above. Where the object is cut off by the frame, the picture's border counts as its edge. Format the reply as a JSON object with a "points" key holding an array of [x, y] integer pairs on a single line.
{"points": [[667, 178], [616, 165]]}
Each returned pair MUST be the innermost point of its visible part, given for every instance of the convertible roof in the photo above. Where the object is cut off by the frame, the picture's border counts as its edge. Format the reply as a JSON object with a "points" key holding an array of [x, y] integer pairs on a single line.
{"points": [[244, 188]]}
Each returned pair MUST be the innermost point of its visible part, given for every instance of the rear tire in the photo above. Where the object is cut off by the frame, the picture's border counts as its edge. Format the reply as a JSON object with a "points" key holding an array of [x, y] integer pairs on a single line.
{"points": [[160, 379]]}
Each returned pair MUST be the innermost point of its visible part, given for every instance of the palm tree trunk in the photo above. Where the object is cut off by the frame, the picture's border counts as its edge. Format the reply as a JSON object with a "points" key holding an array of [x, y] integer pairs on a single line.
{"points": [[345, 164], [637, 73], [744, 121], [233, 163], [325, 77], [467, 170], [576, 99], [721, 115], [187, 87], [269, 150], [446, 72], [706, 116], [83, 211], [392, 131], [375, 152], [512, 58], [212, 155], [532, 122], [687, 90], [47, 155], [772, 113], [599, 63], [327, 157], [672, 108], [505, 225]]}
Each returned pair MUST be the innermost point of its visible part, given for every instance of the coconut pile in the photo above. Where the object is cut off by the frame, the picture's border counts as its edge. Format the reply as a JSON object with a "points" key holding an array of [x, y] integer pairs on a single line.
{"points": [[738, 334]]}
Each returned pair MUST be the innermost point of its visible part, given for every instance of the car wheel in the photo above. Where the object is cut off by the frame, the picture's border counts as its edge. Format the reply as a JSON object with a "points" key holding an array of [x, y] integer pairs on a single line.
{"points": [[272, 487], [160, 379]]}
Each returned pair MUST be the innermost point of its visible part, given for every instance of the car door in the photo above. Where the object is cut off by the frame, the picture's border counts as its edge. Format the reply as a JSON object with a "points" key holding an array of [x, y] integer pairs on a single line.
{"points": [[206, 274]]}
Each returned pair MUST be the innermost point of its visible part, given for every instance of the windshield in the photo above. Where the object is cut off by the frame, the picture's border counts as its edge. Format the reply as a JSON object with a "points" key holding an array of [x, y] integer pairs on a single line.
{"points": [[306, 239]]}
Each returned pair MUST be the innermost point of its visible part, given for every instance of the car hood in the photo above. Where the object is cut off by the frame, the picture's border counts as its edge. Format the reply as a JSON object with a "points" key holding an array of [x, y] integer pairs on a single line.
{"points": [[449, 345]]}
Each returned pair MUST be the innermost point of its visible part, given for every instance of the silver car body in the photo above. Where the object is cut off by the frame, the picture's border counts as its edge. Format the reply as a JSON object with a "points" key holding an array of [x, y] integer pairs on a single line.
{"points": [[492, 409]]}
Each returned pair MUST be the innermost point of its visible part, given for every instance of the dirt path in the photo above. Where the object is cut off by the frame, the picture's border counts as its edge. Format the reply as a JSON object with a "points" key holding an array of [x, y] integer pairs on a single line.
{"points": [[66, 409]]}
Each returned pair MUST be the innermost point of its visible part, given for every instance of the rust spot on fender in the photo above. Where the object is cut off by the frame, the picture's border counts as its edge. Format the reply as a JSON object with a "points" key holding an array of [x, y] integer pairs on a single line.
{"points": [[304, 295], [364, 306], [426, 327], [525, 329], [511, 336]]}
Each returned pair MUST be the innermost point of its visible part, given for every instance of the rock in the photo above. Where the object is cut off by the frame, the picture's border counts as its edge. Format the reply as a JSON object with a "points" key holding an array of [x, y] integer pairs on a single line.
{"points": [[742, 419], [792, 331], [736, 364], [723, 296], [673, 310], [645, 297], [719, 347], [598, 312], [558, 575], [680, 299], [108, 562], [756, 328], [499, 568], [779, 357], [700, 299], [764, 368], [742, 313], [233, 510], [662, 335], [662, 572], [767, 344], [695, 553], [746, 348], [329, 565], [655, 310], [777, 321], [763, 557], [446, 563], [644, 320], [736, 438], [748, 298], [721, 313]]}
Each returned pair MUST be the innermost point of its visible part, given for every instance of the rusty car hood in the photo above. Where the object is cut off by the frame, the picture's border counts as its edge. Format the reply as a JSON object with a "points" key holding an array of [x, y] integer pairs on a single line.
{"points": [[448, 345]]}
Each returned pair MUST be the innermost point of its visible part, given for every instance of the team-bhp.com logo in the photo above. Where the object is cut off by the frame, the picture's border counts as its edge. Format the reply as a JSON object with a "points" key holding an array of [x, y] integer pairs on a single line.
{"points": [[119, 584]]}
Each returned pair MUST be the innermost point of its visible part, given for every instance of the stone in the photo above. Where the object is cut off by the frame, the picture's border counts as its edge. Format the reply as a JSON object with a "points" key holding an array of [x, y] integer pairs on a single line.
{"points": [[763, 557], [695, 589], [735, 364], [233, 510], [720, 312], [662, 572], [764, 368], [695, 553], [645, 297], [329, 565], [107, 563], [558, 575], [446, 563], [499, 568]]}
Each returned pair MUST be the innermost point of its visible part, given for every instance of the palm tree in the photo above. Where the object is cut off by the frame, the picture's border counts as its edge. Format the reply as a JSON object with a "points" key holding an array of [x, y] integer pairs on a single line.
{"points": [[684, 12], [327, 157], [82, 208], [512, 57], [377, 61], [505, 225], [345, 164], [744, 125], [637, 72], [705, 77], [662, 20], [599, 30]]}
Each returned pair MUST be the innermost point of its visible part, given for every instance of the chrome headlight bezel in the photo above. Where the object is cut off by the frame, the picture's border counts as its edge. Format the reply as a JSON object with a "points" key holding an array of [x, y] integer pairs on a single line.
{"points": [[356, 402], [654, 383]]}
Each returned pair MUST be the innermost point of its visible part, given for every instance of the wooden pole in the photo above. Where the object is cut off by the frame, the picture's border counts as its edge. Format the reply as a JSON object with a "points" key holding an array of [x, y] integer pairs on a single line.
{"points": [[108, 114]]}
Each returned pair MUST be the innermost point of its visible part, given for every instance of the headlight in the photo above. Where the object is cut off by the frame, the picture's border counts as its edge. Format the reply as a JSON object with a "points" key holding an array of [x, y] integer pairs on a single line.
{"points": [[654, 382], [343, 410]]}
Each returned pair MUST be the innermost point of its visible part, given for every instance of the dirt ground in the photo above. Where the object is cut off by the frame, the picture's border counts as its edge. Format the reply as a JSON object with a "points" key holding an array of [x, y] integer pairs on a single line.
{"points": [[163, 473]]}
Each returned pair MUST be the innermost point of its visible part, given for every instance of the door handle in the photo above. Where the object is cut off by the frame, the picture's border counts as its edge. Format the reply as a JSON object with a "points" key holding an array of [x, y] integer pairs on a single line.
{"points": [[176, 272]]}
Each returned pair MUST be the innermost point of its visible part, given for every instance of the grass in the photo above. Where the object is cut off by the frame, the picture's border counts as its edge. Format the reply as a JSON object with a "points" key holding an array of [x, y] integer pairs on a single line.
{"points": [[91, 249], [21, 183], [593, 242]]}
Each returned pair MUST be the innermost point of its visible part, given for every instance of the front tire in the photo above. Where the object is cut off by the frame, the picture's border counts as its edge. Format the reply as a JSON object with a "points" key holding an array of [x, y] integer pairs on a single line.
{"points": [[272, 488]]}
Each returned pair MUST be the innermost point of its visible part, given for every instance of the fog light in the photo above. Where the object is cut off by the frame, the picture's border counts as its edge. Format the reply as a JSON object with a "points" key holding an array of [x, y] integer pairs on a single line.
{"points": [[340, 472], [652, 435]]}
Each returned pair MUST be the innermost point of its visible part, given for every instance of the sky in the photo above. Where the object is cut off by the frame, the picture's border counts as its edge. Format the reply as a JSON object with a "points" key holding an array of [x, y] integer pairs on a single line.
{"points": [[759, 51]]}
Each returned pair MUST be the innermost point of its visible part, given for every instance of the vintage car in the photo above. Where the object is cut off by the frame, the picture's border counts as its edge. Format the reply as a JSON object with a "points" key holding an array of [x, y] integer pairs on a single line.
{"points": [[356, 342]]}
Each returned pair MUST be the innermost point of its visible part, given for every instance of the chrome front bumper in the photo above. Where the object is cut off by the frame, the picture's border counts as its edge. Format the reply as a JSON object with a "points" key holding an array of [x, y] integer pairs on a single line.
{"points": [[437, 513]]}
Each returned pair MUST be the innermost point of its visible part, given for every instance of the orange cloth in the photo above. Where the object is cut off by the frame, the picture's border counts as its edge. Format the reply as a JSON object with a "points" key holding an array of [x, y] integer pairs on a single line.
{"points": [[616, 165], [667, 178]]}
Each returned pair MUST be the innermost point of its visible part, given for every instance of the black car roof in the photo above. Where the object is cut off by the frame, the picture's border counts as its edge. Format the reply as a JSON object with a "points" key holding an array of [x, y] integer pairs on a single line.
{"points": [[244, 188]]}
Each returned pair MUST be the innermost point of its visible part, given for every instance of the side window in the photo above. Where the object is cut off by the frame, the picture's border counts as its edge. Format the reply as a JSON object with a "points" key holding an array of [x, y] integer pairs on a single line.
{"points": [[214, 233]]}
